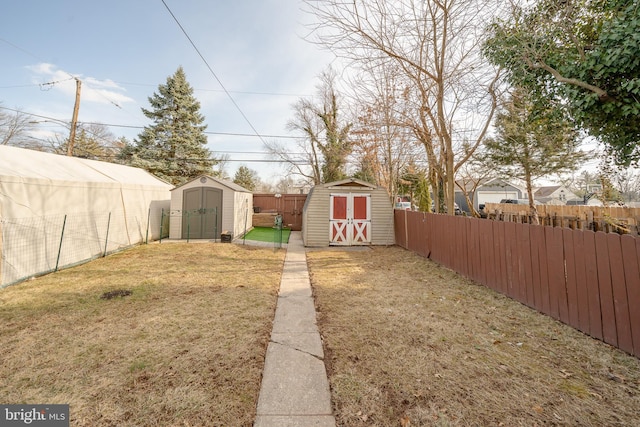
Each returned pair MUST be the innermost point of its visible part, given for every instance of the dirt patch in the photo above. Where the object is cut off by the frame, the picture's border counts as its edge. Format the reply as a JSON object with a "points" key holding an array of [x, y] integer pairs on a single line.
{"points": [[116, 294], [186, 347], [408, 341]]}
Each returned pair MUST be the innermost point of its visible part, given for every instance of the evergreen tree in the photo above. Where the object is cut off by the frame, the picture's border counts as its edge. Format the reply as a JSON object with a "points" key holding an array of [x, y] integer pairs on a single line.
{"points": [[582, 54], [246, 178], [532, 142], [174, 147]]}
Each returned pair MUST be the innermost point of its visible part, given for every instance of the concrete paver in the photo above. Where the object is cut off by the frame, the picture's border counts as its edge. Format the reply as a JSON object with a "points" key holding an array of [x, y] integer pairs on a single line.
{"points": [[295, 389]]}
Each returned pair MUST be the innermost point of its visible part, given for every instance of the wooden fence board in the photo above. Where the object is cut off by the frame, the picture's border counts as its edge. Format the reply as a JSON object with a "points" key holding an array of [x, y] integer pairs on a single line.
{"points": [[511, 259], [450, 224], [570, 273], [436, 248], [595, 311], [544, 273], [500, 256], [485, 233], [400, 228], [555, 264], [631, 257], [460, 259], [518, 267], [528, 272], [413, 230], [562, 282], [470, 242], [581, 282], [537, 242], [443, 242], [476, 264], [609, 333], [522, 246], [620, 301], [426, 231]]}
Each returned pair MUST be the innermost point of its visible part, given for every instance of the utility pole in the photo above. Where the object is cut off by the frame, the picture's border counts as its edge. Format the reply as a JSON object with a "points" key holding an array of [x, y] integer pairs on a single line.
{"points": [[74, 120]]}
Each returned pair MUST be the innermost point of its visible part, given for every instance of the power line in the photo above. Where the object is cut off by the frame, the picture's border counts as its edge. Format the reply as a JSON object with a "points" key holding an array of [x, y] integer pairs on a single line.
{"points": [[205, 132], [214, 74], [66, 122], [240, 92]]}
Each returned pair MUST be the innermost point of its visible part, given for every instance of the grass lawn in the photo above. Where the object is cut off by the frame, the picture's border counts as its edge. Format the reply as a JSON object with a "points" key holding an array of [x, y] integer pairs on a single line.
{"points": [[268, 234], [186, 347], [408, 342]]}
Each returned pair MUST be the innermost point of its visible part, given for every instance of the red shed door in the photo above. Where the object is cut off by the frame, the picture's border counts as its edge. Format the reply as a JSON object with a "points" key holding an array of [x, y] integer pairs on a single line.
{"points": [[350, 219]]}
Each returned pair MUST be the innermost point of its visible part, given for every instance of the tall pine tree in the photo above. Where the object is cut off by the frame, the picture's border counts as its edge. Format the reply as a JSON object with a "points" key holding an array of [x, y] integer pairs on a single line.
{"points": [[174, 147], [246, 178], [532, 142]]}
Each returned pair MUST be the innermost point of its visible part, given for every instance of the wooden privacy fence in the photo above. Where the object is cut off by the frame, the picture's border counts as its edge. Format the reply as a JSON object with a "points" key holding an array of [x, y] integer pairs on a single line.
{"points": [[588, 280], [288, 205], [623, 220]]}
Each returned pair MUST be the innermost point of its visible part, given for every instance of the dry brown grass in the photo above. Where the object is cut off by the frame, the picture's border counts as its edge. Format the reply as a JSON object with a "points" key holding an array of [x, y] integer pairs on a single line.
{"points": [[185, 348], [408, 341]]}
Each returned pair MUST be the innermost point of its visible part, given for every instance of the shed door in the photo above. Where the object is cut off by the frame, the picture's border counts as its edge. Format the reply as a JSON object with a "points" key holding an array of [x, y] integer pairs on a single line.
{"points": [[350, 219], [201, 213]]}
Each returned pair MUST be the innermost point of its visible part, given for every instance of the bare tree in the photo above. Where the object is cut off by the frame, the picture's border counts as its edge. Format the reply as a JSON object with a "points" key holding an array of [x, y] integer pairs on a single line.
{"points": [[471, 176], [14, 129], [436, 46], [381, 141], [325, 143], [93, 141]]}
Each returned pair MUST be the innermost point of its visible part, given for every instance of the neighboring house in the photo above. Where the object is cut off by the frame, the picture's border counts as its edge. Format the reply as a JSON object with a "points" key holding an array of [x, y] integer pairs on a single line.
{"points": [[554, 195], [489, 191]]}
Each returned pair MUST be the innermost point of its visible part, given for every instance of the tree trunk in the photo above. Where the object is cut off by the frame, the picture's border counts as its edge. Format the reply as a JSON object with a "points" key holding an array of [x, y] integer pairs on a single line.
{"points": [[532, 207]]}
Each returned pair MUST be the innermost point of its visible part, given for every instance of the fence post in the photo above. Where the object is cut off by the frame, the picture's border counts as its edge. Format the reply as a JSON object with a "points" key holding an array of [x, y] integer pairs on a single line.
{"points": [[106, 238], [64, 223], [161, 222], [146, 238]]}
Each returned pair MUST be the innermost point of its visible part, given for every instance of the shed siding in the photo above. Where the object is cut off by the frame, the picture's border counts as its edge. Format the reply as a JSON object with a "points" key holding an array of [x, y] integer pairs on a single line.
{"points": [[315, 231], [242, 213], [233, 212]]}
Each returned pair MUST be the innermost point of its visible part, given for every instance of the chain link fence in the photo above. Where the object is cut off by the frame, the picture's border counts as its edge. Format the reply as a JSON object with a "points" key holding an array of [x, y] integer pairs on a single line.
{"points": [[40, 245]]}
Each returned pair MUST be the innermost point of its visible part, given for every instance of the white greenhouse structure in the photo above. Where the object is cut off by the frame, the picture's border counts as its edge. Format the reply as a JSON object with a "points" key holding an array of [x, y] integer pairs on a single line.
{"points": [[57, 211]]}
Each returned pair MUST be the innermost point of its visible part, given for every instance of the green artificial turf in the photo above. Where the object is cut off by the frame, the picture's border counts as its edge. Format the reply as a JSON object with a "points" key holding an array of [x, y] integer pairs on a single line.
{"points": [[268, 234]]}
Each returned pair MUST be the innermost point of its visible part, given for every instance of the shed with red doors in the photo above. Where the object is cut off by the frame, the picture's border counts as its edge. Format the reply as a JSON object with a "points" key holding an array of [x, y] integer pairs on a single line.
{"points": [[349, 212]]}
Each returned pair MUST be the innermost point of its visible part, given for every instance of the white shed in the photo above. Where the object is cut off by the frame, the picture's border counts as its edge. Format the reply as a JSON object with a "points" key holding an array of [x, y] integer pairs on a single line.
{"points": [[207, 207], [349, 212], [58, 210]]}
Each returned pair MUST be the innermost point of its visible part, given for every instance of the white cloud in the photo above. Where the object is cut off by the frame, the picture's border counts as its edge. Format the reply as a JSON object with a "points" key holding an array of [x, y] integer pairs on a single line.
{"points": [[49, 77]]}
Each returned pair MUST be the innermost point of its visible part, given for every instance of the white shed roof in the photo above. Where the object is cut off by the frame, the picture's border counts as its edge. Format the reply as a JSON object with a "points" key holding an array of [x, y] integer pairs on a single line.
{"points": [[229, 184]]}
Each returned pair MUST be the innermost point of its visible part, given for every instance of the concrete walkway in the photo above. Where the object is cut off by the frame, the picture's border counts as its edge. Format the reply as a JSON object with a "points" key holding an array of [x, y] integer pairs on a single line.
{"points": [[295, 389]]}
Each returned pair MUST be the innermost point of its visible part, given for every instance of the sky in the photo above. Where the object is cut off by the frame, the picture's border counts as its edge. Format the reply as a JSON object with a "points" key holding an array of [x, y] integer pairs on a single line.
{"points": [[122, 50]]}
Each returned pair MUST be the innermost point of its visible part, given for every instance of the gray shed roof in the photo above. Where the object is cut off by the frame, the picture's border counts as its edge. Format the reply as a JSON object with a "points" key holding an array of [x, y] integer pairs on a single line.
{"points": [[231, 185]]}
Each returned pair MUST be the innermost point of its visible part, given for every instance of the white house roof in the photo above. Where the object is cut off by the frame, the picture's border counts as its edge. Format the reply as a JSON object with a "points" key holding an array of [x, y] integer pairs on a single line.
{"points": [[22, 165]]}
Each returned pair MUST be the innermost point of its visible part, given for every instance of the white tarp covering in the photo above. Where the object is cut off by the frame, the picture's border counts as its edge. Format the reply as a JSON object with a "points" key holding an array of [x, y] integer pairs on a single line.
{"points": [[102, 207]]}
